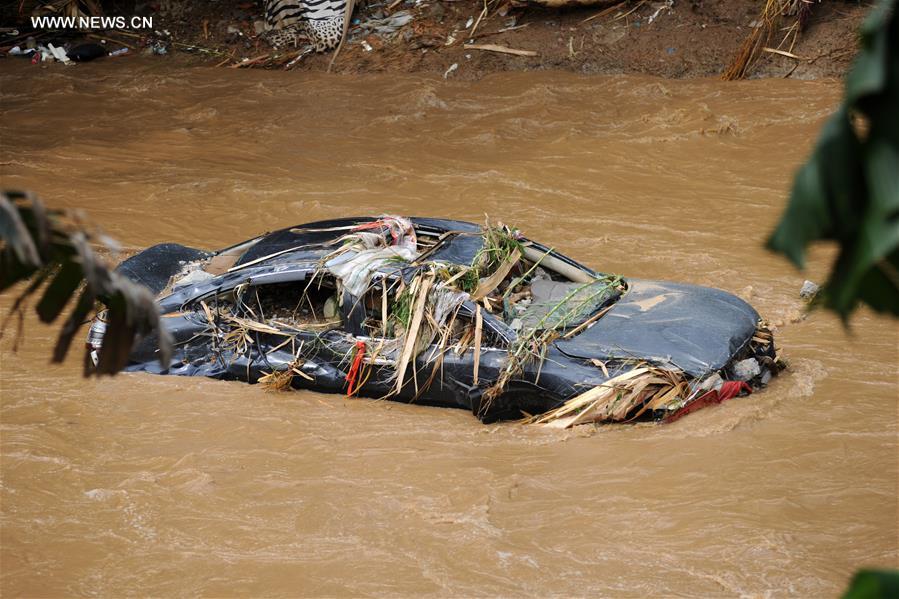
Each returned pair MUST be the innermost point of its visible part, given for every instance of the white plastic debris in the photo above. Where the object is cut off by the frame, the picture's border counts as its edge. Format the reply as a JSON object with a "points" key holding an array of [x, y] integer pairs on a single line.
{"points": [[397, 20], [330, 308], [366, 46], [387, 26], [713, 381], [193, 277], [809, 290], [452, 68], [355, 266], [51, 52], [18, 51], [747, 369], [59, 54], [666, 5], [355, 269], [469, 22]]}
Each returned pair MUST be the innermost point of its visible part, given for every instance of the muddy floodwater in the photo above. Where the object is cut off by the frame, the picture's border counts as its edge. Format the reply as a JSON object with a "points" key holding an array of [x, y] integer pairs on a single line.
{"points": [[150, 485]]}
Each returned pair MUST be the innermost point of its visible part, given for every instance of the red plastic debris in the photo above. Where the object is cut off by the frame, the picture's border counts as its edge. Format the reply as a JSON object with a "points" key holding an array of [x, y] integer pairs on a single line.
{"points": [[728, 390]]}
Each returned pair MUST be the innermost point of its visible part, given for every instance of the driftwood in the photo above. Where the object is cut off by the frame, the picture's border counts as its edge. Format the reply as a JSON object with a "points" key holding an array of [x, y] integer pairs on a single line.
{"points": [[500, 49], [250, 62]]}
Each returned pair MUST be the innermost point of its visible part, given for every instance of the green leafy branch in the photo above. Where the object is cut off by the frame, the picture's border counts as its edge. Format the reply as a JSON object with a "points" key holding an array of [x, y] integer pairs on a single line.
{"points": [[848, 191]]}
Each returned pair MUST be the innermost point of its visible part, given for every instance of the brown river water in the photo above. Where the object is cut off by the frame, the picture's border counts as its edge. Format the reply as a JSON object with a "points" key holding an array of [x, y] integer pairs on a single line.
{"points": [[148, 485]]}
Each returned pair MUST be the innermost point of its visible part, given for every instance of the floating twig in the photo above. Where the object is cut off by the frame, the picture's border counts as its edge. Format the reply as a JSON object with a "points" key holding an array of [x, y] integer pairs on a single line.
{"points": [[226, 61]]}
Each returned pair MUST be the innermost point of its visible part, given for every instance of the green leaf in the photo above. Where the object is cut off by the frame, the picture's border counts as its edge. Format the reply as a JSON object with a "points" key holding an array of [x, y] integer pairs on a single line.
{"points": [[873, 584], [848, 191]]}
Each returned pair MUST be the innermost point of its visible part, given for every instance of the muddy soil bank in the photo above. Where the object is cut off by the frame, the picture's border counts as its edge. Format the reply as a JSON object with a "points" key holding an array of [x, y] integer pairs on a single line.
{"points": [[689, 38], [679, 39]]}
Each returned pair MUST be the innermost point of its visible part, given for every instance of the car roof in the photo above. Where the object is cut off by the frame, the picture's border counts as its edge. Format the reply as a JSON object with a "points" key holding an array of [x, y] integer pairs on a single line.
{"points": [[458, 249]]}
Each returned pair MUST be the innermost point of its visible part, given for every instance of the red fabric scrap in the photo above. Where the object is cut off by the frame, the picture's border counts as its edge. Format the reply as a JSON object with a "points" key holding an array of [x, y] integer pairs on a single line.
{"points": [[728, 390], [353, 375]]}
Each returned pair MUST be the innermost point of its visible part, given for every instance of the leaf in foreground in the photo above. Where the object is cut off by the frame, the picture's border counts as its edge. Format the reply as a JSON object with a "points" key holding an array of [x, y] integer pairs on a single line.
{"points": [[848, 191], [52, 251]]}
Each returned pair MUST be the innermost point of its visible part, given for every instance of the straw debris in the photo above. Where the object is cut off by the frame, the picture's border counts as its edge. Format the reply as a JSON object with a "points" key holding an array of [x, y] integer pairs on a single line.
{"points": [[623, 397], [763, 32]]}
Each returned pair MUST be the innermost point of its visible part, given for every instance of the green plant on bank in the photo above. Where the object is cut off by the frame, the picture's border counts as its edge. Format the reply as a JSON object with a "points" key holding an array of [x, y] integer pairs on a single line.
{"points": [[50, 250], [848, 191]]}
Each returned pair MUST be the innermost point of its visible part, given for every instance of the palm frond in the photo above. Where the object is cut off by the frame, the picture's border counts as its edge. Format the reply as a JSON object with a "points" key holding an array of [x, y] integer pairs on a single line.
{"points": [[52, 251]]}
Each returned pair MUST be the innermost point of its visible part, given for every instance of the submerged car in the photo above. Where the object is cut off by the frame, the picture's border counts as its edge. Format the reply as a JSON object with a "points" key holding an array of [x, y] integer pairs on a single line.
{"points": [[447, 313]]}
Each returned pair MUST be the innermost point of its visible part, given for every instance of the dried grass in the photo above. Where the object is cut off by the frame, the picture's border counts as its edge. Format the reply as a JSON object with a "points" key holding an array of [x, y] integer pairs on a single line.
{"points": [[623, 397], [282, 380], [759, 38], [413, 331]]}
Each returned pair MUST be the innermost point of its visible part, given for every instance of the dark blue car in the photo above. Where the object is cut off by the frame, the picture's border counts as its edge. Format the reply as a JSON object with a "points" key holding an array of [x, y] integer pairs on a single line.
{"points": [[448, 313]]}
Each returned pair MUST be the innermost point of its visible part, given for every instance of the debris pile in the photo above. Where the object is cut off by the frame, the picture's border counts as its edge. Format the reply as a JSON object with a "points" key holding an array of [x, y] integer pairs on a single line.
{"points": [[667, 393]]}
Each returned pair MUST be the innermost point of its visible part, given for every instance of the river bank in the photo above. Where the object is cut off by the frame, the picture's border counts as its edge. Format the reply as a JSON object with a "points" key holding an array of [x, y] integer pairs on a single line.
{"points": [[683, 39]]}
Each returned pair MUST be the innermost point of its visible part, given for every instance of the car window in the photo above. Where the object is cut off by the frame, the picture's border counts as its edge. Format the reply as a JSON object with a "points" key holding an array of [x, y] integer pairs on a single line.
{"points": [[306, 305]]}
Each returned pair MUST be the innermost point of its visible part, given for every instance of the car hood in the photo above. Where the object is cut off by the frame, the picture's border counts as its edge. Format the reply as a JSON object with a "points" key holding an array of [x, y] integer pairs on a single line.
{"points": [[696, 329]]}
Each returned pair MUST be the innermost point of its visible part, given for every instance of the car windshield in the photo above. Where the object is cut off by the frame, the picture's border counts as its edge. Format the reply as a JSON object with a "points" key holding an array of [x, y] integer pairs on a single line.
{"points": [[562, 305]]}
